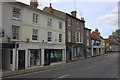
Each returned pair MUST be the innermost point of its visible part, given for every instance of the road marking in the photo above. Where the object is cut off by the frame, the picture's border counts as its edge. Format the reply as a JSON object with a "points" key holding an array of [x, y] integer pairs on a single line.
{"points": [[63, 76]]}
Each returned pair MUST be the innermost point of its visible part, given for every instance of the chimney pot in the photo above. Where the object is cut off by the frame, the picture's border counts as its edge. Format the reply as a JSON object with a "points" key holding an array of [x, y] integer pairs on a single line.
{"points": [[73, 13], [34, 3], [50, 5]]}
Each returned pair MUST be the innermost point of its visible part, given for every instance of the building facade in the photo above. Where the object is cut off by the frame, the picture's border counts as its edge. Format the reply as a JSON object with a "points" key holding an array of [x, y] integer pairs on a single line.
{"points": [[74, 32], [31, 37], [87, 40], [97, 44], [112, 43]]}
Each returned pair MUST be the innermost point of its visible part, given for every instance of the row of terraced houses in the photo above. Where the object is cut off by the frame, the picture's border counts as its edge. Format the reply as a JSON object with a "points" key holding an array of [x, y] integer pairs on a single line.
{"points": [[32, 37]]}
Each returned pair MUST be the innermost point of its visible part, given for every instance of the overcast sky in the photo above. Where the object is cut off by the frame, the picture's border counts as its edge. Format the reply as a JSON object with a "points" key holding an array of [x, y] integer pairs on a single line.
{"points": [[101, 14]]}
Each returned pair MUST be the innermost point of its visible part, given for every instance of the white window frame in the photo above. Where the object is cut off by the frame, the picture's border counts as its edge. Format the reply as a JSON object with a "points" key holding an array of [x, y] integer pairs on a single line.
{"points": [[69, 22], [35, 18], [77, 37], [87, 42], [49, 22], [60, 25], [35, 34], [80, 37], [60, 38], [69, 36], [16, 13], [87, 33], [16, 33], [49, 39]]}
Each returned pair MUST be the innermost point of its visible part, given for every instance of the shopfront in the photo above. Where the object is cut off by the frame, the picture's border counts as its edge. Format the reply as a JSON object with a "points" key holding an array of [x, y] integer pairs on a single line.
{"points": [[53, 56], [77, 52], [34, 57]]}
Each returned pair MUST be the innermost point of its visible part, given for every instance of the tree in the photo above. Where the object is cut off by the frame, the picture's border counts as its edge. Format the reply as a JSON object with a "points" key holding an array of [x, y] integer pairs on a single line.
{"points": [[117, 32]]}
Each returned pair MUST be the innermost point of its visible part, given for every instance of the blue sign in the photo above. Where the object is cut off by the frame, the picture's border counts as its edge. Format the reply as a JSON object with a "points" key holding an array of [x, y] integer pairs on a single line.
{"points": [[7, 45]]}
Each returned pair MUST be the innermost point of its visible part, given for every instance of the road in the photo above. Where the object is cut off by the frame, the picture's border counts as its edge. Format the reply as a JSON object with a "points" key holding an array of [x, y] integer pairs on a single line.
{"points": [[105, 66]]}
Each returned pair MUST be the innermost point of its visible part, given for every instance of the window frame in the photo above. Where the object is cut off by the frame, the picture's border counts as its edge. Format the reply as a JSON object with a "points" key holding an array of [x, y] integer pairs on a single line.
{"points": [[49, 39], [69, 36], [49, 22], [69, 22], [16, 13], [16, 33], [60, 25], [35, 34], [35, 18], [60, 38]]}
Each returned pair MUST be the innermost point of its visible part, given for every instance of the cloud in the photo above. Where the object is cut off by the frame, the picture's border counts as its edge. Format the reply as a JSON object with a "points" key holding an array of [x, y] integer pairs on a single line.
{"points": [[111, 18]]}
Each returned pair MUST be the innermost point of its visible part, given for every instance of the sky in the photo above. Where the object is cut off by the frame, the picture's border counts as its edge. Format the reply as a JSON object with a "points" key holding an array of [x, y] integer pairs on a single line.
{"points": [[101, 14]]}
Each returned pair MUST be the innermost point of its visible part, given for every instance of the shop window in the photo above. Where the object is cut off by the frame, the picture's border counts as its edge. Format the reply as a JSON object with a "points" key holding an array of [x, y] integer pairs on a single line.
{"points": [[34, 57], [56, 56], [11, 57]]}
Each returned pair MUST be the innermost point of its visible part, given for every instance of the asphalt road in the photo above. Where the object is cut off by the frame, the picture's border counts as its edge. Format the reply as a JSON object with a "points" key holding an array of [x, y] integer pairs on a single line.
{"points": [[105, 66]]}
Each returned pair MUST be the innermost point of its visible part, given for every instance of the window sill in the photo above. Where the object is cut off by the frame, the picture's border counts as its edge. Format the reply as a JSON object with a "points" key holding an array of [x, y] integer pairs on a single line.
{"points": [[35, 23], [18, 19], [35, 41]]}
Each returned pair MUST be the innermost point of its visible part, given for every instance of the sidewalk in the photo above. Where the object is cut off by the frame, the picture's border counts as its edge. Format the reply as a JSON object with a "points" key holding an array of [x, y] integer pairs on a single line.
{"points": [[31, 70]]}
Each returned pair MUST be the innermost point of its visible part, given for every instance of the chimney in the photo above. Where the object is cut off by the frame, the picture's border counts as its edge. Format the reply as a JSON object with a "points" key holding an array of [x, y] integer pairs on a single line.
{"points": [[34, 3], [82, 18], [96, 30], [73, 13], [50, 8]]}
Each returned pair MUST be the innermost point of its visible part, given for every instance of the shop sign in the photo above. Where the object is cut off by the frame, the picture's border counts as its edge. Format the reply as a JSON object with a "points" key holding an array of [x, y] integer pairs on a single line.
{"points": [[7, 45]]}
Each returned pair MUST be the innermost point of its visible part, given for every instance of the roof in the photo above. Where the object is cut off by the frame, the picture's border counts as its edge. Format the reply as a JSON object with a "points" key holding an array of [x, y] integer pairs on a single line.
{"points": [[96, 36], [88, 29], [54, 10], [26, 5]]}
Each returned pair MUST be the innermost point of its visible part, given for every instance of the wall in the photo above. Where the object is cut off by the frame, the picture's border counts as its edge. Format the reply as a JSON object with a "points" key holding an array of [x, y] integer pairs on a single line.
{"points": [[75, 27], [42, 27], [8, 21]]}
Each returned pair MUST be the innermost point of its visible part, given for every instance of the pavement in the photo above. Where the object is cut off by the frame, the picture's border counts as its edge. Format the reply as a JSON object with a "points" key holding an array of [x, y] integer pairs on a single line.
{"points": [[104, 66], [8, 73]]}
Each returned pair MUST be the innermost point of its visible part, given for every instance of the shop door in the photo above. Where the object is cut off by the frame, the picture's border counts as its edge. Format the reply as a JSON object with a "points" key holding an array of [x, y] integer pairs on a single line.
{"points": [[21, 59], [47, 57]]}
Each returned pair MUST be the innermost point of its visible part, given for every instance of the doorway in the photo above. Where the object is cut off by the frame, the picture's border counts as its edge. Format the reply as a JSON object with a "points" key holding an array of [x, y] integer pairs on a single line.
{"points": [[21, 59], [47, 57]]}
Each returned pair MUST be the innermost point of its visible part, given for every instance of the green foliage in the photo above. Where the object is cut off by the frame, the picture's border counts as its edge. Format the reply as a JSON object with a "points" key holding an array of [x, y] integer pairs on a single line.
{"points": [[117, 32]]}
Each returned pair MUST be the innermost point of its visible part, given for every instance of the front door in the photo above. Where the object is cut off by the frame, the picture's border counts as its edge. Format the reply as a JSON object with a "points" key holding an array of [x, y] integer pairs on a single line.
{"points": [[21, 59], [47, 57]]}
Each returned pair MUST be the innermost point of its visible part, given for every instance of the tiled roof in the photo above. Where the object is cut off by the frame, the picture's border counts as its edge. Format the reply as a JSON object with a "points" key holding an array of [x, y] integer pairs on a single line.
{"points": [[96, 36]]}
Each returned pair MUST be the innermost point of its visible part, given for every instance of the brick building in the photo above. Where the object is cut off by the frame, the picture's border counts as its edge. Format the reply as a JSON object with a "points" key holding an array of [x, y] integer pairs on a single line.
{"points": [[74, 32], [87, 40]]}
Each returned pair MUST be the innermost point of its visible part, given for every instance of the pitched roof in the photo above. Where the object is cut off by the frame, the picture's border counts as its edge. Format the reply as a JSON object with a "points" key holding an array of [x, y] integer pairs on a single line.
{"points": [[96, 36]]}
